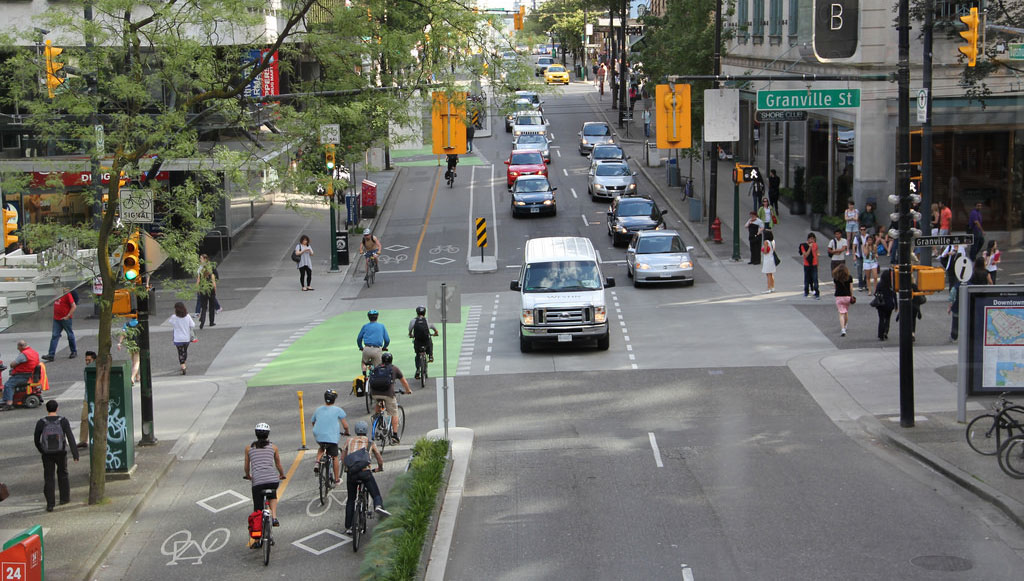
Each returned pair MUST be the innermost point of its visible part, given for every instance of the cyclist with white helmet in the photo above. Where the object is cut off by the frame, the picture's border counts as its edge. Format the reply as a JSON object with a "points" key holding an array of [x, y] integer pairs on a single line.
{"points": [[360, 472], [263, 468], [372, 340], [327, 433]]}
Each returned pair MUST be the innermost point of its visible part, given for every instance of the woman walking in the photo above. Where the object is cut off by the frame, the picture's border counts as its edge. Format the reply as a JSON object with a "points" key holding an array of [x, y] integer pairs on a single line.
{"points": [[844, 295], [992, 257], [852, 224], [305, 254], [871, 263], [207, 283], [768, 260], [885, 303], [184, 332]]}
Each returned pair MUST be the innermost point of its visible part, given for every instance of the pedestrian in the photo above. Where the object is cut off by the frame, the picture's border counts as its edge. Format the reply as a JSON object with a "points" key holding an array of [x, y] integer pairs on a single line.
{"points": [[850, 216], [974, 227], [844, 295], [774, 184], [980, 275], [22, 368], [882, 244], [767, 215], [601, 72], [204, 262], [127, 337], [868, 219], [885, 303], [646, 115], [207, 284], [184, 332], [869, 262], [63, 310], [305, 254], [954, 310], [992, 257], [83, 428], [860, 241], [945, 219], [837, 249], [936, 218], [634, 94], [53, 438], [768, 260], [757, 192], [754, 228], [470, 132], [809, 252]]}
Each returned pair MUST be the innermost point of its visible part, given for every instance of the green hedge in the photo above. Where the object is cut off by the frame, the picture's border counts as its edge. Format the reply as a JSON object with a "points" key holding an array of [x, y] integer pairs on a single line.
{"points": [[396, 542]]}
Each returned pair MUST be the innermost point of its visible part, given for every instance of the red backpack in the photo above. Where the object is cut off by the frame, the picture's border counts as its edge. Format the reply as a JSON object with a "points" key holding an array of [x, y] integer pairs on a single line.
{"points": [[256, 524]]}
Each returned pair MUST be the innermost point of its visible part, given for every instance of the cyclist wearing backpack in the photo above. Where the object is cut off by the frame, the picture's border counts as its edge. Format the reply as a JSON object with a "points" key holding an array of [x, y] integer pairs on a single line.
{"points": [[420, 331], [53, 438], [356, 456], [327, 432], [372, 340], [381, 384]]}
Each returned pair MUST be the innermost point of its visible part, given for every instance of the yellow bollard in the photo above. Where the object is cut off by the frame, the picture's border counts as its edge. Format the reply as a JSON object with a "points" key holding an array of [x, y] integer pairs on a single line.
{"points": [[302, 420]]}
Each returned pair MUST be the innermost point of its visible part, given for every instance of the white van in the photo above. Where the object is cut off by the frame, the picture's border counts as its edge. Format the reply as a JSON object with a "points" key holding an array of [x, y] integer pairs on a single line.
{"points": [[562, 293]]}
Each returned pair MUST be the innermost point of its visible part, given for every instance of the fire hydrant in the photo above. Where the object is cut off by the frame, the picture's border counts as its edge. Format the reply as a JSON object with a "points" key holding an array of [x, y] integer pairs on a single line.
{"points": [[716, 230]]}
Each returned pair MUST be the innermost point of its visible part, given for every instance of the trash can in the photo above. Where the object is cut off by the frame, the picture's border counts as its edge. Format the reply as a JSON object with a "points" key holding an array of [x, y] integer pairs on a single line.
{"points": [[695, 213], [653, 155], [673, 173], [120, 416]]}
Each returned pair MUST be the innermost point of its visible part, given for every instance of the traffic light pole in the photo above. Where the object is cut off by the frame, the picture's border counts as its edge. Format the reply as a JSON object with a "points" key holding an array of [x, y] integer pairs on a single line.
{"points": [[905, 242], [333, 207], [713, 186], [142, 340], [736, 222]]}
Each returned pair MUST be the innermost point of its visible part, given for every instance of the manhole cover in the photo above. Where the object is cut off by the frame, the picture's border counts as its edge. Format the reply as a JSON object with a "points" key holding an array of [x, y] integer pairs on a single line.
{"points": [[942, 563]]}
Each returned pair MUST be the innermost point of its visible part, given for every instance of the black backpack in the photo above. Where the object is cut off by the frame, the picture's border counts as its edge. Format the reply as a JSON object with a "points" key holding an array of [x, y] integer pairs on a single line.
{"points": [[357, 461], [421, 330], [380, 379], [51, 440]]}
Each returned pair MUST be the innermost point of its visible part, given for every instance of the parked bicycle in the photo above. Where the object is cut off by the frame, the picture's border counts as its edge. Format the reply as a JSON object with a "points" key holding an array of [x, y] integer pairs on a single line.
{"points": [[1011, 456], [380, 424], [364, 511], [987, 432]]}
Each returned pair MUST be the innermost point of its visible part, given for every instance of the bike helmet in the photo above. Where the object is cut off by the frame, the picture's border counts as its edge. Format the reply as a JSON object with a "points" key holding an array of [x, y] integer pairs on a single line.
{"points": [[330, 395], [387, 358], [262, 430], [367, 233], [361, 428], [421, 310], [372, 314]]}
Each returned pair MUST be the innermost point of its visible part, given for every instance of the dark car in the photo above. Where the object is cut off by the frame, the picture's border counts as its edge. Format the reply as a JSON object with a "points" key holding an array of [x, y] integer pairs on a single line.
{"points": [[533, 195], [631, 214], [594, 133]]}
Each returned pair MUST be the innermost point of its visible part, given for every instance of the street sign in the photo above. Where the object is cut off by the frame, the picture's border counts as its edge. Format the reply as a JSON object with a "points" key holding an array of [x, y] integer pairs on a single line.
{"points": [[444, 304], [836, 29], [808, 99], [330, 133], [963, 268], [780, 116], [136, 206], [1016, 51], [922, 105], [721, 115], [921, 241]]}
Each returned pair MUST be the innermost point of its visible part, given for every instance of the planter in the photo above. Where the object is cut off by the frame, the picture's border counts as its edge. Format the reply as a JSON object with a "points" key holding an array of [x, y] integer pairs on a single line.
{"points": [[815, 221], [798, 207]]}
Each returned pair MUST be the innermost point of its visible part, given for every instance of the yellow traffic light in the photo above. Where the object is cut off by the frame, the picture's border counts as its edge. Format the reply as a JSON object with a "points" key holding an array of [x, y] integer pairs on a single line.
{"points": [[131, 264], [447, 129], [970, 50], [54, 74], [329, 157], [10, 225], [672, 116]]}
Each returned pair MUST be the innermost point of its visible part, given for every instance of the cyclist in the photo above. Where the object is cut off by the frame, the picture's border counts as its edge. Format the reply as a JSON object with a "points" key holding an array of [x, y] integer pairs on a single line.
{"points": [[381, 384], [370, 246], [453, 160], [261, 458], [372, 340], [420, 331], [327, 433], [364, 475]]}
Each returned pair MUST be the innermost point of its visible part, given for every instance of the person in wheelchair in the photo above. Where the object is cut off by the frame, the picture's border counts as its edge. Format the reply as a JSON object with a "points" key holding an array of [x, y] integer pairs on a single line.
{"points": [[22, 368]]}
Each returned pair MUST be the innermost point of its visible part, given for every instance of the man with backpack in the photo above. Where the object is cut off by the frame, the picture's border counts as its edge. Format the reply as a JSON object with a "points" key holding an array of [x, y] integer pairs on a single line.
{"points": [[356, 457], [420, 331], [381, 383], [53, 438]]}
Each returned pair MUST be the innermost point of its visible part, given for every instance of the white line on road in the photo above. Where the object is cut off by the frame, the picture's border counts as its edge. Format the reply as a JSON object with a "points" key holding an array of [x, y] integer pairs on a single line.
{"points": [[687, 573], [584, 216], [657, 453], [565, 172], [573, 190], [559, 152]]}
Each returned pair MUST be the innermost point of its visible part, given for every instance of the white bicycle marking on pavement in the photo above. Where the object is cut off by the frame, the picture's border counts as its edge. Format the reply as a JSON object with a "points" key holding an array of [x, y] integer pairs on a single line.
{"points": [[387, 259], [206, 502], [315, 509], [180, 547], [446, 248]]}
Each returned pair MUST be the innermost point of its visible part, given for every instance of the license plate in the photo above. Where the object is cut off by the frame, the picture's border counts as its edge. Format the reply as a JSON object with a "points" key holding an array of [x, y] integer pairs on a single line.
{"points": [[564, 338], [535, 210]]}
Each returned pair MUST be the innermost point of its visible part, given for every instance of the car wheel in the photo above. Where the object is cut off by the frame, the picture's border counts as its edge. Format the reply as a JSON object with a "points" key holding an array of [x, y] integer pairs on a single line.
{"points": [[525, 346], [636, 282], [554, 212], [603, 342], [508, 129]]}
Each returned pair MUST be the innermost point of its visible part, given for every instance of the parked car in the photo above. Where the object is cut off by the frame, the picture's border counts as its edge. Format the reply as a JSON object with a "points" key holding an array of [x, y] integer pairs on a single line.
{"points": [[534, 141], [533, 195], [608, 179], [524, 162], [631, 214], [659, 256], [517, 106], [527, 122], [594, 133], [845, 139], [556, 74], [606, 152], [542, 65]]}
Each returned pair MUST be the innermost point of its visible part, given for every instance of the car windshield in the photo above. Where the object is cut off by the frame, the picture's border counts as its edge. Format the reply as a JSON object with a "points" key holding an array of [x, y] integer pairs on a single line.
{"points": [[523, 105], [612, 169], [636, 207], [556, 69], [531, 186], [596, 130], [659, 245], [529, 141], [545, 61], [529, 120], [561, 276], [607, 153], [532, 158]]}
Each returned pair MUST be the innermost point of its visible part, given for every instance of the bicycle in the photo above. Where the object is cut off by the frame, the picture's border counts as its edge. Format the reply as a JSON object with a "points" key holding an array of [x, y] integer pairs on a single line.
{"points": [[266, 539], [421, 365], [1011, 456], [363, 511], [371, 268], [380, 424], [325, 467], [449, 176], [986, 433]]}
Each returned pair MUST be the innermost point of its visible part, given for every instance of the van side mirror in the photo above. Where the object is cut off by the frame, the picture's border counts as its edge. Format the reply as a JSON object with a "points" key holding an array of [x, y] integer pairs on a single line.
{"points": [[514, 285], [663, 212], [609, 281], [689, 248]]}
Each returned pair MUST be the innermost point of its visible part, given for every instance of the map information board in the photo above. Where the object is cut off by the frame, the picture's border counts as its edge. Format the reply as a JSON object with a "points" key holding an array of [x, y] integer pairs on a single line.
{"points": [[1004, 347]]}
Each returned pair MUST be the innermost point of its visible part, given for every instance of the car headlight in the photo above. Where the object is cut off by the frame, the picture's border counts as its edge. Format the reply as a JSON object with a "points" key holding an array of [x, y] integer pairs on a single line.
{"points": [[542, 132], [548, 202], [620, 229], [520, 203], [632, 187], [643, 266], [513, 173], [659, 227], [518, 133], [600, 314], [598, 187], [686, 264], [527, 316]]}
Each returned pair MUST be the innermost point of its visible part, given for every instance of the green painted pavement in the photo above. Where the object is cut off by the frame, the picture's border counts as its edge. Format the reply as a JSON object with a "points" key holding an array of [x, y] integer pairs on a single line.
{"points": [[400, 153], [468, 159], [328, 352]]}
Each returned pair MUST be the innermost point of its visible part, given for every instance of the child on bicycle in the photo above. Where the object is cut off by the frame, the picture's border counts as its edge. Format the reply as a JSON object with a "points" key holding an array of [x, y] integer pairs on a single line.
{"points": [[420, 331], [327, 433], [356, 456]]}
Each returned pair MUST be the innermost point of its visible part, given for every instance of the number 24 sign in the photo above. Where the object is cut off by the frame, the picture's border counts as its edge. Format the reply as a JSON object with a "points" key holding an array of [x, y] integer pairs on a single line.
{"points": [[12, 572]]}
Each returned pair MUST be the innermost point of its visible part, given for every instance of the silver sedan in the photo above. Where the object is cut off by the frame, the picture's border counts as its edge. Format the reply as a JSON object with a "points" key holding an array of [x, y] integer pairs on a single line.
{"points": [[608, 179], [659, 256], [535, 142]]}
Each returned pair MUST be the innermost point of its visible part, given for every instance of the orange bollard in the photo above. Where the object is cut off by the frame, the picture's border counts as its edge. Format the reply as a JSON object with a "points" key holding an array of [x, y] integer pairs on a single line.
{"points": [[302, 420]]}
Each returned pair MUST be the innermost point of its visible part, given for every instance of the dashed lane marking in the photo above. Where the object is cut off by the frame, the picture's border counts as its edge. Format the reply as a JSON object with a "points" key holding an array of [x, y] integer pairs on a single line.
{"points": [[657, 452]]}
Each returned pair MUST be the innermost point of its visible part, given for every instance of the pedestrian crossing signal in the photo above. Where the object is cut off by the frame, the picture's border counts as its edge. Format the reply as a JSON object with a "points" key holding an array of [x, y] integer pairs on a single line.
{"points": [[742, 174]]}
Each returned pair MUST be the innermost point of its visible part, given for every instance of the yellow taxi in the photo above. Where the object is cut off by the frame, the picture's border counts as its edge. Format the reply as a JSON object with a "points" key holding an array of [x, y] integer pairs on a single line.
{"points": [[556, 74]]}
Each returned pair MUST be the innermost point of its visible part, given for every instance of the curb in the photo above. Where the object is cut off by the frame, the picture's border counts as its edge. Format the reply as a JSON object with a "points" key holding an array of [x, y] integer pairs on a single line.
{"points": [[461, 450], [1013, 509], [371, 223]]}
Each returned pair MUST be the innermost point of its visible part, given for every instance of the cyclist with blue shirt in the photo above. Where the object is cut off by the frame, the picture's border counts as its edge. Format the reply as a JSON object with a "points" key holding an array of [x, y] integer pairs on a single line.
{"points": [[327, 433], [373, 340]]}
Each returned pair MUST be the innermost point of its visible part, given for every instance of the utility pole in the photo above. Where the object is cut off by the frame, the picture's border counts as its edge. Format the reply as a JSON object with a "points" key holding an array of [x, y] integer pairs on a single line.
{"points": [[623, 78], [614, 50], [713, 189], [926, 125], [905, 239]]}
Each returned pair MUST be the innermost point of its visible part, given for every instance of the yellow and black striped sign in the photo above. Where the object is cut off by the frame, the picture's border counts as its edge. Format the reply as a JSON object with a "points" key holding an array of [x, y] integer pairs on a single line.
{"points": [[481, 232]]}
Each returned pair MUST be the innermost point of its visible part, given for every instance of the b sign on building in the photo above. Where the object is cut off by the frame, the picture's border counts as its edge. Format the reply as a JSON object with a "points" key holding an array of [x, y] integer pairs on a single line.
{"points": [[836, 29]]}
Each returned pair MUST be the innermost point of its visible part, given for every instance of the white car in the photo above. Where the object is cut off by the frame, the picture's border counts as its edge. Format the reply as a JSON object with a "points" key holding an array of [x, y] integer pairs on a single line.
{"points": [[527, 122], [659, 256]]}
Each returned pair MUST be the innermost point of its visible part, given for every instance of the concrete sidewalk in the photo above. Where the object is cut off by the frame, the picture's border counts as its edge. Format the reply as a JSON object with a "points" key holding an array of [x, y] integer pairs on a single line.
{"points": [[857, 386]]}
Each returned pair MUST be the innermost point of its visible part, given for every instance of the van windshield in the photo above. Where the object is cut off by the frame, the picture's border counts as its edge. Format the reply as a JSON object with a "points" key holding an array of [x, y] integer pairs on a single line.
{"points": [[561, 276]]}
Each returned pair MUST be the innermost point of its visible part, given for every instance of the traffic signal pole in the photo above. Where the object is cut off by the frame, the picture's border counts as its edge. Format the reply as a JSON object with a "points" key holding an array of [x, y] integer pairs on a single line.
{"points": [[713, 186], [142, 340], [905, 240]]}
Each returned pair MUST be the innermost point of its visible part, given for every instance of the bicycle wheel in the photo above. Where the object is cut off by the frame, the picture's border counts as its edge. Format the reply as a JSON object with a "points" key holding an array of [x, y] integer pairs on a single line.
{"points": [[380, 431], [322, 481], [360, 519], [401, 421], [371, 270], [268, 524], [982, 435], [1011, 457], [421, 359], [369, 401]]}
